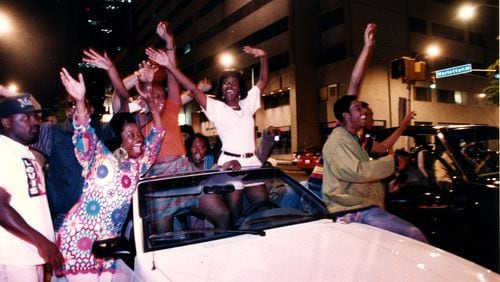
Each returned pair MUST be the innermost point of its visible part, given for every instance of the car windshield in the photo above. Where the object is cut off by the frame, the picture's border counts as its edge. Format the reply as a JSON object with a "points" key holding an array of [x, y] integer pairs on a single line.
{"points": [[478, 147], [173, 200]]}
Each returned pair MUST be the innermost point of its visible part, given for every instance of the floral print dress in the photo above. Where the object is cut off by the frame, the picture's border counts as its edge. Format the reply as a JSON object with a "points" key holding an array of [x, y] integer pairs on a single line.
{"points": [[107, 191]]}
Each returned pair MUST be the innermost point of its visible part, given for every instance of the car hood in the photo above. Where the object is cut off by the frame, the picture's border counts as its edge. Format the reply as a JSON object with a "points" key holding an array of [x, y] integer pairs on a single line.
{"points": [[316, 251]]}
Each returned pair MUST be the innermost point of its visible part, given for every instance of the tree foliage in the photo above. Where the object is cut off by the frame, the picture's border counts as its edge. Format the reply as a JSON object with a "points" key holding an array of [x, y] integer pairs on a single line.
{"points": [[492, 89]]}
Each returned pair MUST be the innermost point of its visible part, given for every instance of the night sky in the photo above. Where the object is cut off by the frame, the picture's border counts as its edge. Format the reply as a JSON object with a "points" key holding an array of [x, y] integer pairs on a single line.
{"points": [[40, 43], [50, 34]]}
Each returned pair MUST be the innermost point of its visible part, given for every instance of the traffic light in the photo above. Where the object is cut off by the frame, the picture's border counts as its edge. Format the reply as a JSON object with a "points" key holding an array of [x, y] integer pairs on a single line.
{"points": [[408, 69], [398, 68], [432, 85]]}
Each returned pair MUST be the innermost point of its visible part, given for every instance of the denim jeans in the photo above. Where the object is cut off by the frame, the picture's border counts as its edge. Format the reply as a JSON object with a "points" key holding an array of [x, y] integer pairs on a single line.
{"points": [[377, 217], [292, 199]]}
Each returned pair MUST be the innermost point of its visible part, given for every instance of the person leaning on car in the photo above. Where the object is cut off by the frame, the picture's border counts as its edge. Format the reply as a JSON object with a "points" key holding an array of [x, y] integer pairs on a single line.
{"points": [[26, 234], [351, 185]]}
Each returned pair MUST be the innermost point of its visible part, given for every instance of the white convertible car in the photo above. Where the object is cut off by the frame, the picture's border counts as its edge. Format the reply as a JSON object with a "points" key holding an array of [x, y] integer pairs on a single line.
{"points": [[290, 237]]}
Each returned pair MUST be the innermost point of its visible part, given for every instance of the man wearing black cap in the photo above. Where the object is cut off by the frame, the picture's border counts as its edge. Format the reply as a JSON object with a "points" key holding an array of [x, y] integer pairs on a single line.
{"points": [[26, 234]]}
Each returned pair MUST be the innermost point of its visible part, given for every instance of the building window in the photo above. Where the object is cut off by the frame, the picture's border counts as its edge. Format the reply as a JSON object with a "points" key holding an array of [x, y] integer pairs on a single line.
{"points": [[208, 7], [187, 48], [278, 62], [333, 54], [422, 94], [461, 97], [277, 100], [333, 92], [262, 35], [476, 39], [448, 32], [183, 26], [418, 25], [451, 96], [330, 92], [445, 96], [422, 123], [332, 19]]}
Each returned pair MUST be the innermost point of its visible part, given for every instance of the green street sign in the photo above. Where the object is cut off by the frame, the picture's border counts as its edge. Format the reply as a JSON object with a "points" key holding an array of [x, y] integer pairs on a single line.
{"points": [[453, 71]]}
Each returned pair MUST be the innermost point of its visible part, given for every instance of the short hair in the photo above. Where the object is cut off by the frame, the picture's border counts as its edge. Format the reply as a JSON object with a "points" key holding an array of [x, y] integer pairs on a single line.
{"points": [[190, 141], [116, 124], [186, 128], [219, 95], [342, 106], [364, 105]]}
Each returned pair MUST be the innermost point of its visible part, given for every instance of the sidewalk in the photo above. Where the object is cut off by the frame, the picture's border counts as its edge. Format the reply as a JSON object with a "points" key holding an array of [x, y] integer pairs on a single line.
{"points": [[282, 158]]}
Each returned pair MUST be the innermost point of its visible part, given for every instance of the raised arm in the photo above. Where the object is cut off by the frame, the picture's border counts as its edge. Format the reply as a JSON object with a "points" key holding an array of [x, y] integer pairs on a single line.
{"points": [[162, 58], [152, 104], [358, 71], [102, 61], [174, 90], [13, 222], [383, 146], [264, 68], [76, 89]]}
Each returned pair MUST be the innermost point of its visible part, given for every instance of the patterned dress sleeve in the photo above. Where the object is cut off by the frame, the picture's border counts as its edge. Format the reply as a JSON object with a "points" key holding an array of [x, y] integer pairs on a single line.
{"points": [[153, 145], [86, 143]]}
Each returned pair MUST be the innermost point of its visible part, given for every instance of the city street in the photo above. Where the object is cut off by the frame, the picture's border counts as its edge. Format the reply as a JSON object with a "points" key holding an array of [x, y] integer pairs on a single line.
{"points": [[292, 170]]}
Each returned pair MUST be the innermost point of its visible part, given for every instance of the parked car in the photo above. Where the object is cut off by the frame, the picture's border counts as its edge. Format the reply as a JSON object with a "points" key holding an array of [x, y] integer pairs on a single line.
{"points": [[457, 205], [307, 158], [282, 239]]}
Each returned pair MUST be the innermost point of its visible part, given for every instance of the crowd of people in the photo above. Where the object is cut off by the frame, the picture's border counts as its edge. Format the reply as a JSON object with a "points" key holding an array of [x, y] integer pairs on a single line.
{"points": [[53, 216]]}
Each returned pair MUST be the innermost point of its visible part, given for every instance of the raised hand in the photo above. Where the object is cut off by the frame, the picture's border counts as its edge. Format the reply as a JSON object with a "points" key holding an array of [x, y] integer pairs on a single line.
{"points": [[158, 56], [101, 61], [163, 30], [146, 93], [146, 71], [407, 120], [369, 36], [75, 88], [256, 52], [204, 85]]}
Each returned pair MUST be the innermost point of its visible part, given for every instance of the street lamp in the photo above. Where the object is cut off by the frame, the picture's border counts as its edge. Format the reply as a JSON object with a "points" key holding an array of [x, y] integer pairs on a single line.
{"points": [[466, 12], [227, 61], [12, 87], [5, 24], [410, 70]]}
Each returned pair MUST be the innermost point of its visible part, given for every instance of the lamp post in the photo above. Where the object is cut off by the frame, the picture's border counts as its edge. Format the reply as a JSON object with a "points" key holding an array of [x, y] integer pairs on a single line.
{"points": [[410, 70], [5, 24], [466, 13], [227, 61]]}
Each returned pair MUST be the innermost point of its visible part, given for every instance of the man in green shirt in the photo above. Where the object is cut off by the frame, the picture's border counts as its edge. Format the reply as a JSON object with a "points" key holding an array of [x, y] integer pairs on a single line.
{"points": [[351, 184]]}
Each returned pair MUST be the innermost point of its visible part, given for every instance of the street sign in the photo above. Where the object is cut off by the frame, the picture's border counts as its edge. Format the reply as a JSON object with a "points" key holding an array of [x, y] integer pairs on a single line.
{"points": [[453, 71]]}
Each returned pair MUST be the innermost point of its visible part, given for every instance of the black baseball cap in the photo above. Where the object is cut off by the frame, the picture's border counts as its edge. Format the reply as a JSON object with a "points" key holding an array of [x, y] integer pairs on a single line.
{"points": [[17, 105]]}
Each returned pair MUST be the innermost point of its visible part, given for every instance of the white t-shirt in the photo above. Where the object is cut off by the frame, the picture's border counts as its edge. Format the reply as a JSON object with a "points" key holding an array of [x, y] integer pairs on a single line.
{"points": [[22, 177], [236, 129]]}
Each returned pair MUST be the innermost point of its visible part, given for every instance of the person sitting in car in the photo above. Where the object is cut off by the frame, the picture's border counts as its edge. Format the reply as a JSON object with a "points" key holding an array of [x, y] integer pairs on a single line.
{"points": [[407, 173]]}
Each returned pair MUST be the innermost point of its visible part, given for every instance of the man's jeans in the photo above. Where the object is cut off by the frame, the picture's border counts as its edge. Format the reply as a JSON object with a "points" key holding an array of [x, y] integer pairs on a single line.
{"points": [[377, 217]]}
